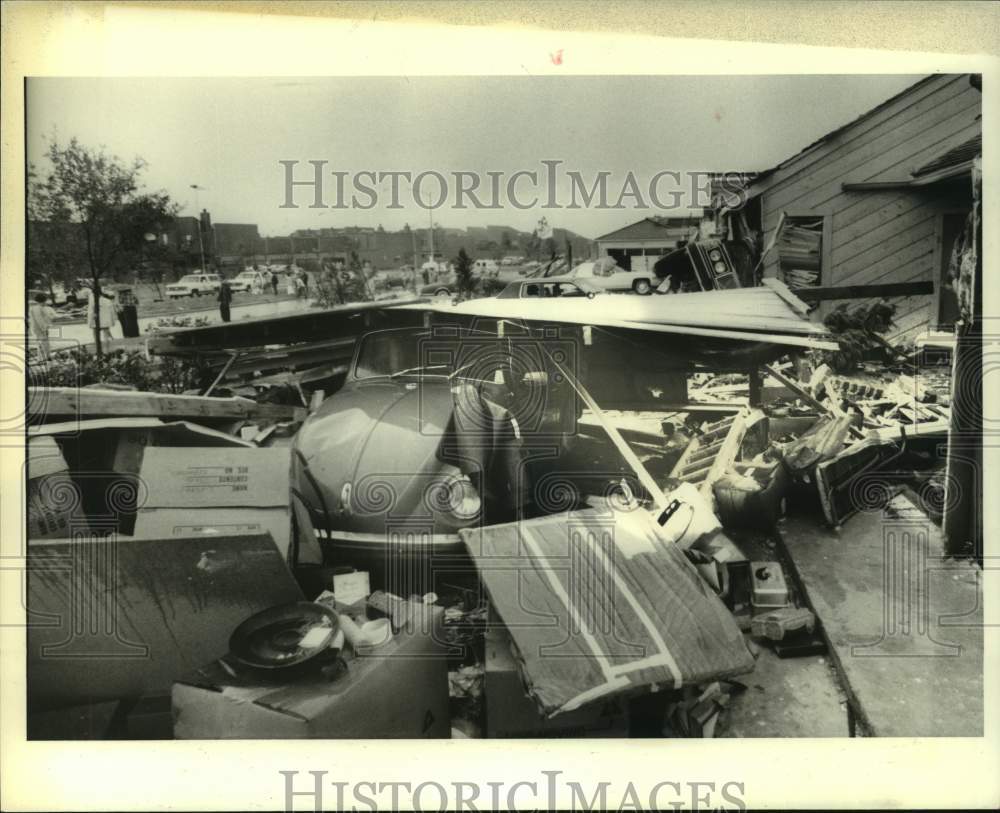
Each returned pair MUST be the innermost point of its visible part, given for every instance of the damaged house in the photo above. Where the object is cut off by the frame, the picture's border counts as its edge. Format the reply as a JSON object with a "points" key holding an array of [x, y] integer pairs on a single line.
{"points": [[878, 201]]}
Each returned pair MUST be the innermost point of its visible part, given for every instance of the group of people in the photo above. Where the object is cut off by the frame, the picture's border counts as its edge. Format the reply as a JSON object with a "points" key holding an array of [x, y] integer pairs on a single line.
{"points": [[297, 283], [41, 315]]}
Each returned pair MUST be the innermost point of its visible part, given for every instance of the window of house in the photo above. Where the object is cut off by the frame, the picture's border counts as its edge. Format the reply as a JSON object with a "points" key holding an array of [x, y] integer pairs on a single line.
{"points": [[800, 251]]}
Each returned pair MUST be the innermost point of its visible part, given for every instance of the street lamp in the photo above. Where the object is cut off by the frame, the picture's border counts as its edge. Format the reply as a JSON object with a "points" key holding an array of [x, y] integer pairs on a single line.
{"points": [[201, 240]]}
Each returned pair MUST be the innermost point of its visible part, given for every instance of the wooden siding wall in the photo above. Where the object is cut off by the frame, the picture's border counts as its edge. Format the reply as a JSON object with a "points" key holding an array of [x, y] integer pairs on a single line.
{"points": [[885, 236]]}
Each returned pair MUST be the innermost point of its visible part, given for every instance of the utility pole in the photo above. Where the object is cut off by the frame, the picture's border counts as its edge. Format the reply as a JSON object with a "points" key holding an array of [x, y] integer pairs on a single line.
{"points": [[201, 240], [430, 218]]}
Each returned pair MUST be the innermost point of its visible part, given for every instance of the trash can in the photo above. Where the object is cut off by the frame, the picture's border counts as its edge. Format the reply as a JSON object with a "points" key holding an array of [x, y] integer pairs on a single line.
{"points": [[128, 313]]}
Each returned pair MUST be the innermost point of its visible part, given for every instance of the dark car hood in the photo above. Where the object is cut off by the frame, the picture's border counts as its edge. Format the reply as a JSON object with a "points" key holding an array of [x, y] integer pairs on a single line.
{"points": [[379, 436]]}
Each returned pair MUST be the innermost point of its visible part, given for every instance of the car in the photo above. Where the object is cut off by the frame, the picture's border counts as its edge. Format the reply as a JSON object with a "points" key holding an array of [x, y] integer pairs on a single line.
{"points": [[249, 280], [413, 444], [443, 288], [486, 268], [194, 285], [561, 286], [607, 275]]}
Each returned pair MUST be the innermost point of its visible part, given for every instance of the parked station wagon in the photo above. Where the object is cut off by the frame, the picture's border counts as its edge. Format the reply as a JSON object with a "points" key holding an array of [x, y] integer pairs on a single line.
{"points": [[194, 285]]}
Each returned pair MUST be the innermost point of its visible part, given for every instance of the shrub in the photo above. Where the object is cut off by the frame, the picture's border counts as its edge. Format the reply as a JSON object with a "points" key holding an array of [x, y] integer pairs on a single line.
{"points": [[79, 368]]}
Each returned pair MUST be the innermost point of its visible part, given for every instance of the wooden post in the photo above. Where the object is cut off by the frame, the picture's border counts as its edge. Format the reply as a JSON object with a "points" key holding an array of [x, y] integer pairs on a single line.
{"points": [[962, 521], [756, 387]]}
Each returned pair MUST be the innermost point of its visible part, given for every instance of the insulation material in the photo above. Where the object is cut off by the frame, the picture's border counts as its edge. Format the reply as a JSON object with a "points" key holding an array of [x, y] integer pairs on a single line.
{"points": [[800, 252], [588, 622]]}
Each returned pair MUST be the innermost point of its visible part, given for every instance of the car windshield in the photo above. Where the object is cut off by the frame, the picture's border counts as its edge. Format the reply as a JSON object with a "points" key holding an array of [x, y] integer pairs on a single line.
{"points": [[398, 352]]}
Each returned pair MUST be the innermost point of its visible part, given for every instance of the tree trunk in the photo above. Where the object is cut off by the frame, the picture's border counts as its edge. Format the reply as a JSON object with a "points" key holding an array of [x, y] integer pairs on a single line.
{"points": [[96, 290], [97, 314]]}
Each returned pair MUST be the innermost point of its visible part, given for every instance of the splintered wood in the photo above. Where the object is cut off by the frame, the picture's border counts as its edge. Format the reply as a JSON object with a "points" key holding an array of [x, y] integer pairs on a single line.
{"points": [[711, 454]]}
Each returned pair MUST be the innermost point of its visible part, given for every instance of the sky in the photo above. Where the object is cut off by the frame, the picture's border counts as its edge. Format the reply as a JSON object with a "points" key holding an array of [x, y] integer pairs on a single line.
{"points": [[229, 135]]}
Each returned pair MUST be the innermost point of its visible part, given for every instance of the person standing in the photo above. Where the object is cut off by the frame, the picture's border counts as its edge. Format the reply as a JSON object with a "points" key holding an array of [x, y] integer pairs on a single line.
{"points": [[225, 300], [105, 309], [289, 283], [274, 282], [40, 318], [300, 286]]}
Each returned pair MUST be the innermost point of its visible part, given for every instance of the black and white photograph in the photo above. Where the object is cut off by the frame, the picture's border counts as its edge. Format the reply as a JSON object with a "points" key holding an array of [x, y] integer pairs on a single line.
{"points": [[533, 406]]}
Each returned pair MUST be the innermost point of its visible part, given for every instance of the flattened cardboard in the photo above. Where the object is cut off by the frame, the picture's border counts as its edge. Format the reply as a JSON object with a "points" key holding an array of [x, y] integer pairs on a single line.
{"points": [[155, 609]]}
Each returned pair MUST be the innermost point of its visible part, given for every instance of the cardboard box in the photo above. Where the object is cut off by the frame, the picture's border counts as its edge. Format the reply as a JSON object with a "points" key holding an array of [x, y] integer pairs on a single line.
{"points": [[52, 498], [217, 492], [769, 586], [729, 571], [511, 713], [399, 690], [134, 436], [125, 617]]}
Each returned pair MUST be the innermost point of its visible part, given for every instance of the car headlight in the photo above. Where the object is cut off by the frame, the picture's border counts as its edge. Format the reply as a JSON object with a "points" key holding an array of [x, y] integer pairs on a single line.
{"points": [[463, 499], [454, 494]]}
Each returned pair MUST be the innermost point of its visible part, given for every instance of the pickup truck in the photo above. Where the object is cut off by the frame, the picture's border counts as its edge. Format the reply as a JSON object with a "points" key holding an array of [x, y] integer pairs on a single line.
{"points": [[194, 285]]}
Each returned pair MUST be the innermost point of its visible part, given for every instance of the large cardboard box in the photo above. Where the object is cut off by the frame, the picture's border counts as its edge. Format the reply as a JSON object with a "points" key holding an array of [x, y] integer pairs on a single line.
{"points": [[125, 617], [399, 690], [216, 492], [511, 713]]}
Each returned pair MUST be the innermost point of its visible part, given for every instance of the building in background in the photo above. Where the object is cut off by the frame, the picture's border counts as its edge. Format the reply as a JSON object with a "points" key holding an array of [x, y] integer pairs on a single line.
{"points": [[639, 245]]}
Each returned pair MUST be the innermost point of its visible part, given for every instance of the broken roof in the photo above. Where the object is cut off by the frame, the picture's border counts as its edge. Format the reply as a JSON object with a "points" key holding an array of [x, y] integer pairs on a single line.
{"points": [[958, 157], [770, 313]]}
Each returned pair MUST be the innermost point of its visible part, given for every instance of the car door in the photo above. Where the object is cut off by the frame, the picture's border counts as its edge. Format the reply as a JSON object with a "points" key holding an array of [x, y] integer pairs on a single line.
{"points": [[596, 276], [622, 280]]}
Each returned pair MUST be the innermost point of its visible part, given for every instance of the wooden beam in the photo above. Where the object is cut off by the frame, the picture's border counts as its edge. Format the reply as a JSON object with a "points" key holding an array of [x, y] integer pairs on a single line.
{"points": [[640, 471], [917, 288], [795, 389], [46, 403]]}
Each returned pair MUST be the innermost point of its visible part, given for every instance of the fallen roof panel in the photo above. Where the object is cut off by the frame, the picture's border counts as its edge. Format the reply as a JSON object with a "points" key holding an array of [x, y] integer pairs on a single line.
{"points": [[769, 313], [601, 605], [314, 324]]}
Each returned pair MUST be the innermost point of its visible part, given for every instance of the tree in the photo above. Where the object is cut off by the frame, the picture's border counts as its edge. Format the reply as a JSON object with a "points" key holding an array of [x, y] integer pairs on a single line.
{"points": [[101, 197], [463, 273]]}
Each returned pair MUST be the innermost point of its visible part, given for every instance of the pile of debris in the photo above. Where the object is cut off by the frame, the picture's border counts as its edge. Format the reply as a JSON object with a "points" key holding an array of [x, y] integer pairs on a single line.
{"points": [[630, 603]]}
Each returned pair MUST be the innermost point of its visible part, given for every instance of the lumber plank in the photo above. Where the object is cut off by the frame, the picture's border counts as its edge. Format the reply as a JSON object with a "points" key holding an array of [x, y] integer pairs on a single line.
{"points": [[45, 403], [915, 288]]}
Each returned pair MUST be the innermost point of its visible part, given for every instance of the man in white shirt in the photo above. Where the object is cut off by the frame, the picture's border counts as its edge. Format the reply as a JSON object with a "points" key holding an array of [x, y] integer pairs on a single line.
{"points": [[40, 318]]}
